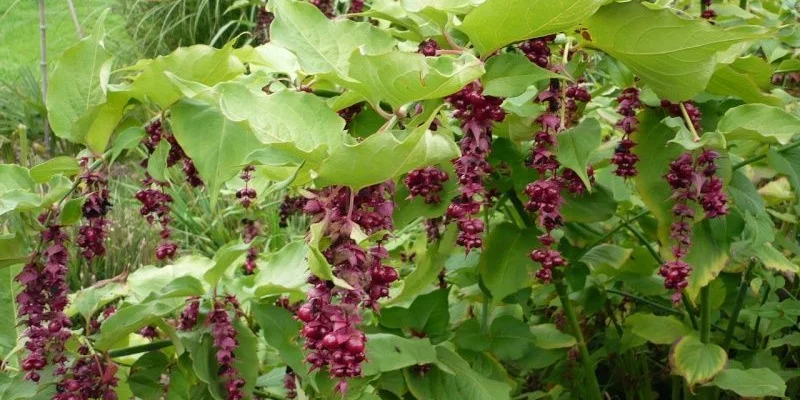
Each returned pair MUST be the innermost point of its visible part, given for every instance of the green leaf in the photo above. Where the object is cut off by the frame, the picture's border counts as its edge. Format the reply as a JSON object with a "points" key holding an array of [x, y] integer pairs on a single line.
{"points": [[599, 205], [302, 29], [685, 138], [90, 300], [200, 64], [773, 259], [576, 144], [147, 280], [246, 361], [8, 307], [510, 337], [299, 124], [656, 329], [469, 336], [672, 55], [606, 255], [653, 145], [728, 81], [284, 272], [282, 331], [216, 145], [510, 74], [182, 286], [428, 313], [463, 384], [386, 352], [130, 319], [223, 259], [98, 124], [72, 211], [505, 265], [16, 387], [62, 165], [13, 250], [707, 256], [317, 263], [491, 26], [157, 163], [77, 84], [387, 155], [547, 336], [17, 189], [696, 361], [759, 122], [787, 163], [426, 271], [400, 78], [126, 140], [144, 378], [756, 382]]}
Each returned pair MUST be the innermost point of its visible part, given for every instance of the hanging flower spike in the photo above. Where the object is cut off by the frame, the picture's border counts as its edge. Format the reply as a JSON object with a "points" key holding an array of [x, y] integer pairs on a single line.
{"points": [[224, 339], [92, 234], [427, 183], [623, 158]]}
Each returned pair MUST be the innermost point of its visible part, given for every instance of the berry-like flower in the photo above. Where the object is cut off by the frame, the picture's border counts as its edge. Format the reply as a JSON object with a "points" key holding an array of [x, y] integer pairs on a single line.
{"points": [[426, 182], [328, 7], [623, 158], [224, 340], [188, 318], [91, 376], [92, 234], [290, 206], [428, 48], [538, 50]]}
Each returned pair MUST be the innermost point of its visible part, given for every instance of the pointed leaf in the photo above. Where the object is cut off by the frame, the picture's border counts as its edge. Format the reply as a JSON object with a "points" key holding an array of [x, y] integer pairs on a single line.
{"points": [[497, 23], [673, 55], [510, 74], [575, 146], [756, 382], [386, 352], [505, 266], [759, 122], [696, 361], [656, 329]]}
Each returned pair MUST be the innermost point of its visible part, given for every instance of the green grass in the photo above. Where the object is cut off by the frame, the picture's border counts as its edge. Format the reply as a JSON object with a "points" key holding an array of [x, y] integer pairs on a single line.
{"points": [[19, 32]]}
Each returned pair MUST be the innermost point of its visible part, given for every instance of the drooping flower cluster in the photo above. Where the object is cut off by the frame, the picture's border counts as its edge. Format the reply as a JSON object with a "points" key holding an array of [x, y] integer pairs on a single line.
{"points": [[250, 231], [544, 194], [92, 234], [428, 48], [91, 376], [538, 50], [623, 158], [477, 113], [426, 182], [331, 313], [693, 181], [43, 299], [708, 13], [189, 315], [224, 339], [155, 207], [290, 206], [156, 133], [246, 195]]}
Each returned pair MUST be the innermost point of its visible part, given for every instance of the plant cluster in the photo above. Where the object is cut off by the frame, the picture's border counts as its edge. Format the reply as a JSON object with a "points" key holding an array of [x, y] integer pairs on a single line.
{"points": [[565, 199]]}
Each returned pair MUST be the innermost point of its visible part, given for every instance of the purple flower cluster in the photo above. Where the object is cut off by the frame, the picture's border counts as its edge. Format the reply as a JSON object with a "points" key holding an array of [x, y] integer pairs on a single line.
{"points": [[94, 322], [290, 206], [290, 383], [692, 181], [224, 338], [623, 158], [331, 314], [250, 231], [428, 48], [545, 199], [155, 207], [149, 332], [155, 133], [246, 195], [348, 114], [356, 6], [538, 50], [674, 109], [426, 182], [91, 376], [477, 113], [92, 234], [189, 315], [708, 13], [43, 299]]}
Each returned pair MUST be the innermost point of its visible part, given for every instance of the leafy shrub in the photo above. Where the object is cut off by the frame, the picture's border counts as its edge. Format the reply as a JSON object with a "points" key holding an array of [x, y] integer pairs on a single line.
{"points": [[443, 200]]}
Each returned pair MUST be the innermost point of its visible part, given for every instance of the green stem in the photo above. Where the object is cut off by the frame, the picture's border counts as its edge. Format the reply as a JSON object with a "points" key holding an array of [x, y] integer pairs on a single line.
{"points": [[645, 301], [737, 307], [743, 4], [764, 298], [140, 349], [705, 314], [689, 309], [677, 387], [593, 390], [485, 314], [526, 219], [763, 156]]}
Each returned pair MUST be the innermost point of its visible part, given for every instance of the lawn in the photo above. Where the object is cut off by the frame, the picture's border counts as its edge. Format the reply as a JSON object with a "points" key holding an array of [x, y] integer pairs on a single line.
{"points": [[19, 31]]}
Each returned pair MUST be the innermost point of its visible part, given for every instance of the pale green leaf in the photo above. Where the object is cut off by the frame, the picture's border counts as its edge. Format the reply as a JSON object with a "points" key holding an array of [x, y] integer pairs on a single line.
{"points": [[100, 121], [686, 139], [756, 382], [157, 163], [759, 122], [63, 165], [129, 320], [282, 331], [675, 56], [400, 78], [606, 255], [696, 361], [217, 146], [510, 74], [225, 257], [497, 23]]}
